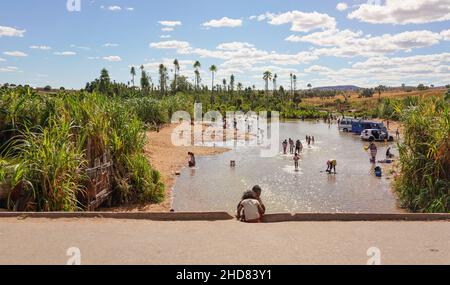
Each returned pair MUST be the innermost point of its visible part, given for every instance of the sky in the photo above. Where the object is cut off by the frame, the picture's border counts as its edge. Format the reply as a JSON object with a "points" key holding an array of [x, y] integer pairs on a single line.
{"points": [[325, 42]]}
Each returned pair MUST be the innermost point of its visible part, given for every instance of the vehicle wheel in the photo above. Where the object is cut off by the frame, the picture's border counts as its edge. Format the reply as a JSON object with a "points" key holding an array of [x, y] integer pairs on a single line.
{"points": [[345, 130], [371, 139], [391, 139]]}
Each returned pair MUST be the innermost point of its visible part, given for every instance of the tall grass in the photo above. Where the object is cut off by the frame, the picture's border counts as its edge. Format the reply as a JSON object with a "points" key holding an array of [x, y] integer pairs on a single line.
{"points": [[424, 183], [54, 138]]}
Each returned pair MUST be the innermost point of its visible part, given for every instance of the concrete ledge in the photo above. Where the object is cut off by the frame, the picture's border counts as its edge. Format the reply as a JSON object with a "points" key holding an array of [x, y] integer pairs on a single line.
{"points": [[223, 216], [352, 217], [181, 216]]}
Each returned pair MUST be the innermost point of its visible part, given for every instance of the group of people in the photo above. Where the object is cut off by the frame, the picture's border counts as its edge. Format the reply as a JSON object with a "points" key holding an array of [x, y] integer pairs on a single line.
{"points": [[296, 148]]}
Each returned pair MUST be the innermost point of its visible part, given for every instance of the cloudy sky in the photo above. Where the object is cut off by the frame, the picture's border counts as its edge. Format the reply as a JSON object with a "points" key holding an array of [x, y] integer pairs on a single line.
{"points": [[324, 42]]}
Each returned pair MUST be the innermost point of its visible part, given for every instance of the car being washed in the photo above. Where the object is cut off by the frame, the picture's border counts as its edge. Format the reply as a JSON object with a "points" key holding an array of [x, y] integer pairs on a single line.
{"points": [[376, 135]]}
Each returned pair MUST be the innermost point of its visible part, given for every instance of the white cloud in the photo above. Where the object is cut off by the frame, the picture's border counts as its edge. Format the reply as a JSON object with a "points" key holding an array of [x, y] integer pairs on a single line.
{"points": [[165, 36], [167, 29], [2, 59], [170, 23], [113, 58], [177, 45], [80, 47], [110, 45], [224, 22], [11, 32], [347, 43], [9, 69], [446, 35], [65, 53], [114, 8], [41, 47], [403, 12], [394, 71], [262, 17], [15, 53], [301, 21], [342, 6], [234, 46]]}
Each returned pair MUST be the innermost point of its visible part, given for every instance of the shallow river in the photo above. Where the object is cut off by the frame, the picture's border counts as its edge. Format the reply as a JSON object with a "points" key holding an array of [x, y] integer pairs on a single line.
{"points": [[214, 186]]}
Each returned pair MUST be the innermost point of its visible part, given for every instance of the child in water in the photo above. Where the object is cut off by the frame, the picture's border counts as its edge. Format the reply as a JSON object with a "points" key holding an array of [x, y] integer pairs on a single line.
{"points": [[285, 145], [191, 159], [296, 160], [331, 166]]}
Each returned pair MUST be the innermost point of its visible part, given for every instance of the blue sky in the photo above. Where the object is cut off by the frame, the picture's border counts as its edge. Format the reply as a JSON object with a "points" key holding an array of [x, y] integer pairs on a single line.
{"points": [[327, 42]]}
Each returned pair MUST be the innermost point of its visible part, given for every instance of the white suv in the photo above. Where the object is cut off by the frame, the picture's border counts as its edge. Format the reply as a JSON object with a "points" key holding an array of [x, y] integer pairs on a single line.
{"points": [[375, 135]]}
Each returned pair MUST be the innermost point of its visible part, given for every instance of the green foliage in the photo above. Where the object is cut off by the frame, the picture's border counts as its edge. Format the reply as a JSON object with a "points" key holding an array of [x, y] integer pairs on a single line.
{"points": [[367, 93], [49, 137], [424, 183]]}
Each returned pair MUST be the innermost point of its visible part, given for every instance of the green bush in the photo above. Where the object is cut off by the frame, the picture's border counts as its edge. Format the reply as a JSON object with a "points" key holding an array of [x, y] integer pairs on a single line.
{"points": [[424, 183]]}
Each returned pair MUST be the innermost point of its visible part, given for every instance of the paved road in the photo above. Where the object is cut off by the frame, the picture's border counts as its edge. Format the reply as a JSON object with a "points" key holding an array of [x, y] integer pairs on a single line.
{"points": [[40, 241]]}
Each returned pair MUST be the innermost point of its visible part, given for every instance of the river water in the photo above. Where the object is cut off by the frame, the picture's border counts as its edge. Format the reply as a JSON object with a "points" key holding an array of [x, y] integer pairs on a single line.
{"points": [[214, 186]]}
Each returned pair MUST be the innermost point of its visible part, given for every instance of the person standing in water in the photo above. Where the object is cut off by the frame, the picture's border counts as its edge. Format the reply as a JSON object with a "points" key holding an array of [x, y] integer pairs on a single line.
{"points": [[291, 146], [373, 152], [313, 140], [298, 146], [191, 162], [296, 161], [285, 145]]}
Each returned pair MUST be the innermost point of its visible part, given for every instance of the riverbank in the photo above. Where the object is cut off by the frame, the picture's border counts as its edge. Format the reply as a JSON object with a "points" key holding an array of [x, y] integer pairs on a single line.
{"points": [[168, 160]]}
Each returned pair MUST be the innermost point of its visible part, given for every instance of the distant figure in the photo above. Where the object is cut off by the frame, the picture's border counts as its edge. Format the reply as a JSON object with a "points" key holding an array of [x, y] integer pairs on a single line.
{"points": [[331, 166], [389, 155], [309, 141], [285, 145], [291, 146], [298, 146], [373, 152], [235, 123], [397, 134], [388, 123], [313, 140], [251, 209], [296, 160], [191, 162]]}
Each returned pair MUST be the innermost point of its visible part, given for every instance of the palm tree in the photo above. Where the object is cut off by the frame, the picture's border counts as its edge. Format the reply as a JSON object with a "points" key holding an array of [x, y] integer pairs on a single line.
{"points": [[232, 82], [267, 76], [380, 89], [309, 86], [197, 66], [239, 88], [275, 77], [213, 70], [294, 78], [176, 65], [133, 74], [224, 82], [292, 85], [162, 78]]}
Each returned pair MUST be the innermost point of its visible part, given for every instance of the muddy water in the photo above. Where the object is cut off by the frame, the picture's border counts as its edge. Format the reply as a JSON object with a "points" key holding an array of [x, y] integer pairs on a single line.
{"points": [[214, 186]]}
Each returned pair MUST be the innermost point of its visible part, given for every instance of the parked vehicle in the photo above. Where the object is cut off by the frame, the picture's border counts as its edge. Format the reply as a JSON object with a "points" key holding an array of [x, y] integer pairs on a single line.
{"points": [[345, 125], [359, 126], [376, 135]]}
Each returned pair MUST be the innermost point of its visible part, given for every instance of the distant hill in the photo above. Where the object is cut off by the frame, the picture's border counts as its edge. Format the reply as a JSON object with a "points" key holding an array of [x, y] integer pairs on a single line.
{"points": [[338, 88]]}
